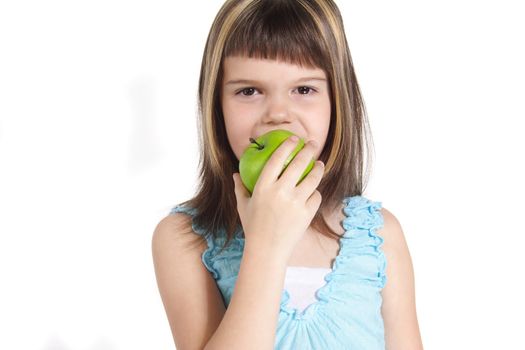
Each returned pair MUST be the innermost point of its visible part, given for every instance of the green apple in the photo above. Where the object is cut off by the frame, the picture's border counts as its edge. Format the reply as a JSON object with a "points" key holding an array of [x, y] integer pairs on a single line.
{"points": [[259, 151]]}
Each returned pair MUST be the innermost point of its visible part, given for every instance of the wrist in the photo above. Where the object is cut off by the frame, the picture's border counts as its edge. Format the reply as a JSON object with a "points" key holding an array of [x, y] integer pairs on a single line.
{"points": [[267, 254]]}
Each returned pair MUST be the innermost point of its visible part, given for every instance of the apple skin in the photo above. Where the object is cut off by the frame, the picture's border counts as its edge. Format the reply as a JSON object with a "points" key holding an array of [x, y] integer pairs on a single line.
{"points": [[256, 155]]}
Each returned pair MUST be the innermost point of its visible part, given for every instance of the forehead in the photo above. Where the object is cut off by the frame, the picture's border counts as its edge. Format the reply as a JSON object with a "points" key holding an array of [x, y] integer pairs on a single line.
{"points": [[241, 66]]}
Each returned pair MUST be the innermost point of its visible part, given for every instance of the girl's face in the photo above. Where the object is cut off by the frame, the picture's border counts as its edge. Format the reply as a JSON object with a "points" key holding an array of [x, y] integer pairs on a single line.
{"points": [[273, 95]]}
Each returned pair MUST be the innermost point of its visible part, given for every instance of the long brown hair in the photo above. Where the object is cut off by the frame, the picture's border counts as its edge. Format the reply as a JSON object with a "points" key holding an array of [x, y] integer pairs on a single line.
{"points": [[309, 33]]}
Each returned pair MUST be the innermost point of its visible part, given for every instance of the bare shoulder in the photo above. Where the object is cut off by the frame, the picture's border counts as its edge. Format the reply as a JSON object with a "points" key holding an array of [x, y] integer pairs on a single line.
{"points": [[176, 230], [397, 254], [399, 305], [191, 298], [391, 232]]}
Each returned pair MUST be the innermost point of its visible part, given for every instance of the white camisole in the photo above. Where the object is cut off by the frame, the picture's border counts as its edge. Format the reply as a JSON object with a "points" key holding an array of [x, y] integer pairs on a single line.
{"points": [[302, 283]]}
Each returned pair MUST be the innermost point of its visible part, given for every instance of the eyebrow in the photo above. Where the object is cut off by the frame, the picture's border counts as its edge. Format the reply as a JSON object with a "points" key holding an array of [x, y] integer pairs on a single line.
{"points": [[245, 81]]}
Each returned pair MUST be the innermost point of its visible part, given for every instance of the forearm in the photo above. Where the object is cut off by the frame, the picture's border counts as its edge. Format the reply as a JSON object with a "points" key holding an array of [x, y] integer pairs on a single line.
{"points": [[250, 321]]}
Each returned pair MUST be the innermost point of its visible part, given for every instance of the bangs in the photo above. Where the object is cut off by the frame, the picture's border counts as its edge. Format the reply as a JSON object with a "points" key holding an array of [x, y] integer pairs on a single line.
{"points": [[278, 30]]}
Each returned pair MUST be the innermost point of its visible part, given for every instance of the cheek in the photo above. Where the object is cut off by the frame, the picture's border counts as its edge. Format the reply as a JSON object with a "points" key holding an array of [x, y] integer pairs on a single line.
{"points": [[237, 111], [230, 118], [318, 115], [239, 121], [318, 124], [238, 134], [238, 145], [232, 130]]}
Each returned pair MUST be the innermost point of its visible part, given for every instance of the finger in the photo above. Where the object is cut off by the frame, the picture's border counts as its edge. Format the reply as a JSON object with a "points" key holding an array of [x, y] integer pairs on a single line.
{"points": [[275, 164], [241, 193], [314, 202], [311, 181], [298, 165]]}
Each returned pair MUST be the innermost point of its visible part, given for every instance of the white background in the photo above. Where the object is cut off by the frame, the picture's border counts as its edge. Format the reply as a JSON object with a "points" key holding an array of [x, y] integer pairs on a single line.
{"points": [[98, 141]]}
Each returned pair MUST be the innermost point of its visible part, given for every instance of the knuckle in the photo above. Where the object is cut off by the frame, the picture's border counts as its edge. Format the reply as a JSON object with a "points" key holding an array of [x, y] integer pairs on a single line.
{"points": [[318, 173], [305, 155], [284, 194], [281, 193], [310, 151], [288, 143], [313, 145], [259, 189], [282, 152]]}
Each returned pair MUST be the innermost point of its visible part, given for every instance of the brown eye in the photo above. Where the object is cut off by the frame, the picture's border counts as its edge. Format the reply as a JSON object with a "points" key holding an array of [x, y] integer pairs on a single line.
{"points": [[249, 90], [305, 89]]}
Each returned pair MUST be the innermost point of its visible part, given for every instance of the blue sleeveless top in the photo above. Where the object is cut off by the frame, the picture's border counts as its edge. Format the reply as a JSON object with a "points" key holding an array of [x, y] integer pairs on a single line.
{"points": [[347, 313]]}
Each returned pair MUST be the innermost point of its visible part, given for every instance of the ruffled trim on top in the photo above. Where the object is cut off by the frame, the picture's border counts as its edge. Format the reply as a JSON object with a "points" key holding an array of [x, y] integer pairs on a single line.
{"points": [[360, 247], [360, 240], [363, 219], [210, 257], [211, 247]]}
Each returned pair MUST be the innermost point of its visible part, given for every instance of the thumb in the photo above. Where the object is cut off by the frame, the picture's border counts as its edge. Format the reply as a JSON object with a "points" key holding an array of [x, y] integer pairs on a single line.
{"points": [[240, 191]]}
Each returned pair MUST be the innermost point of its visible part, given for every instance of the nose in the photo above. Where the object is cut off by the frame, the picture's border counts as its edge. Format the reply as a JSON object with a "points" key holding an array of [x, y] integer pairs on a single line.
{"points": [[277, 110]]}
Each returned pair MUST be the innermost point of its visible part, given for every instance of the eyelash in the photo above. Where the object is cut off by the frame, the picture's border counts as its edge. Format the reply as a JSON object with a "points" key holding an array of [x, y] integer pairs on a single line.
{"points": [[239, 92]]}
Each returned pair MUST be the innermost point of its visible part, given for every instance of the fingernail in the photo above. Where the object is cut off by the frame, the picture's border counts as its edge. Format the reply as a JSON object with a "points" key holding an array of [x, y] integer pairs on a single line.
{"points": [[294, 138]]}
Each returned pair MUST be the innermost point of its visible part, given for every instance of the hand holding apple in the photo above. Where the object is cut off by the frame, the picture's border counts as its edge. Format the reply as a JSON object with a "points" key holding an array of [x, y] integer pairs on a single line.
{"points": [[259, 151], [277, 211]]}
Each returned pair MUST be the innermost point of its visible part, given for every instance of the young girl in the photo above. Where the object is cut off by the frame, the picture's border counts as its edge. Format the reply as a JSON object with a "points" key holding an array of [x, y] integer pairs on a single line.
{"points": [[292, 265]]}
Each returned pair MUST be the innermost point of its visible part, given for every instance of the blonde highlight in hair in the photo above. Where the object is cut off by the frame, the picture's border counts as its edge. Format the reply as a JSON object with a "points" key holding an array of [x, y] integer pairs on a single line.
{"points": [[308, 33]]}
